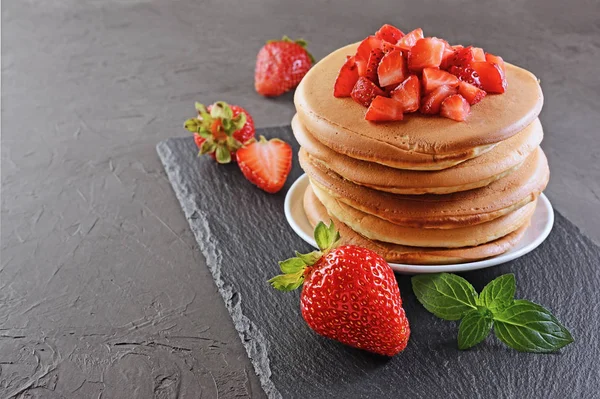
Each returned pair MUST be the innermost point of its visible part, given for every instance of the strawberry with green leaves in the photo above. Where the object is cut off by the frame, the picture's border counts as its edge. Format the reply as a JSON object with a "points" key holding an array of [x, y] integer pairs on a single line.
{"points": [[280, 66], [349, 294], [220, 130]]}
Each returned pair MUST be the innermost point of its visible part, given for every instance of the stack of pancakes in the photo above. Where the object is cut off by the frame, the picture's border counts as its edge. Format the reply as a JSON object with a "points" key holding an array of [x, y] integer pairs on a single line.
{"points": [[427, 190]]}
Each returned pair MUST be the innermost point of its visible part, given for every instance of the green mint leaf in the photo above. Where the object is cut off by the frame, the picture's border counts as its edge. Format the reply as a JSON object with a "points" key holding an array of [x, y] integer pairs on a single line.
{"points": [[528, 327], [447, 296], [310, 258], [499, 293], [474, 327], [288, 282], [292, 265], [222, 154]]}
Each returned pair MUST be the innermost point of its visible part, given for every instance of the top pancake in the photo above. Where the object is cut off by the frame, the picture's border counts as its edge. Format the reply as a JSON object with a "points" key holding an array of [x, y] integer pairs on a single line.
{"points": [[419, 142]]}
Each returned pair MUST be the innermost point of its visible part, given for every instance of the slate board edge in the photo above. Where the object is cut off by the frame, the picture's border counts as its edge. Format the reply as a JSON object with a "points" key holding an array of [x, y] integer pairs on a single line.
{"points": [[250, 335]]}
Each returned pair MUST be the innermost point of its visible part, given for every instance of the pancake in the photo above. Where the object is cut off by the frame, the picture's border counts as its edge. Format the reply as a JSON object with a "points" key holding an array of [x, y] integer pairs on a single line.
{"points": [[378, 229], [316, 212], [419, 142], [447, 211], [503, 159]]}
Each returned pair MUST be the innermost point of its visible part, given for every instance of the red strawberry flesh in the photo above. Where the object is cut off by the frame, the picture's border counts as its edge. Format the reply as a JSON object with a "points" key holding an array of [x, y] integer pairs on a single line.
{"points": [[392, 69], [491, 76], [432, 102], [408, 93], [455, 107], [426, 53], [383, 109], [365, 91], [346, 79], [389, 33], [434, 78]]}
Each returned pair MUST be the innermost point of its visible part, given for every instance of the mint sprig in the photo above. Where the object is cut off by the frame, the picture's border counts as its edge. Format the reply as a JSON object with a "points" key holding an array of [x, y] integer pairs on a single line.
{"points": [[520, 324]]}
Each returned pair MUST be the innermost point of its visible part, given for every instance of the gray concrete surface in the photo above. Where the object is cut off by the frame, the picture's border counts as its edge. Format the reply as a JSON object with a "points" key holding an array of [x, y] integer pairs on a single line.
{"points": [[103, 292]]}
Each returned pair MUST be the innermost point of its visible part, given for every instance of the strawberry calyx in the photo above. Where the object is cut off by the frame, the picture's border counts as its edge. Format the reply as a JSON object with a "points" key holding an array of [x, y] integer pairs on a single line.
{"points": [[216, 127], [300, 42], [296, 270]]}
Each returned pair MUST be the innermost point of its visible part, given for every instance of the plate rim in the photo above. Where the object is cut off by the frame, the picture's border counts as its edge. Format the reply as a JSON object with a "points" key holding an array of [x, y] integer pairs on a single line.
{"points": [[403, 268]]}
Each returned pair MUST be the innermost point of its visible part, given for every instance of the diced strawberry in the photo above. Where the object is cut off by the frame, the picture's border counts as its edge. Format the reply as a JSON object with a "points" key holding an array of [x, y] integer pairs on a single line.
{"points": [[426, 53], [432, 102], [478, 54], [434, 78], [471, 93], [466, 74], [491, 76], [361, 66], [389, 33], [458, 47], [408, 93], [462, 57], [384, 109], [495, 59], [363, 52], [389, 47], [346, 79], [374, 60], [392, 69], [410, 39], [447, 56], [455, 107], [365, 91]]}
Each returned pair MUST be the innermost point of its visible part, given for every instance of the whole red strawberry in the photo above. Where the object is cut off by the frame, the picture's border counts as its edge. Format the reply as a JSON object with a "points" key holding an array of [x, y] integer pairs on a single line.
{"points": [[349, 294], [221, 129], [280, 66]]}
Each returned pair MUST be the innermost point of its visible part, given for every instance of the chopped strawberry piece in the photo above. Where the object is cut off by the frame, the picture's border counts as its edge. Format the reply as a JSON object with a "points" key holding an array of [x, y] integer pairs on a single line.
{"points": [[389, 47], [373, 63], [455, 107], [392, 69], [462, 57], [471, 93], [432, 102], [458, 47], [408, 93], [495, 59], [410, 39], [478, 54], [346, 79], [447, 56], [389, 33], [365, 91], [426, 53], [466, 74], [491, 76], [361, 66], [363, 52], [434, 78], [384, 109]]}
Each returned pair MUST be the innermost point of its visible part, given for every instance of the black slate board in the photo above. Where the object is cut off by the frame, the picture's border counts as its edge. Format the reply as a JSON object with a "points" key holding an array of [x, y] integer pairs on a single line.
{"points": [[242, 232]]}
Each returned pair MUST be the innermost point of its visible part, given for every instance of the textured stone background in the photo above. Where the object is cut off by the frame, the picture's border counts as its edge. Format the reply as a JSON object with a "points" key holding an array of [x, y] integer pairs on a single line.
{"points": [[102, 287]]}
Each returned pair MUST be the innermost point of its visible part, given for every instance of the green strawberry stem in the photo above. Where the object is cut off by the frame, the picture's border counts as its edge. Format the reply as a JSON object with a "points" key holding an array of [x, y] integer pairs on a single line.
{"points": [[294, 269], [301, 42], [217, 128]]}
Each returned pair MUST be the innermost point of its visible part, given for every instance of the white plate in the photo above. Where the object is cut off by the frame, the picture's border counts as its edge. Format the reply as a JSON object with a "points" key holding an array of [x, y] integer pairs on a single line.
{"points": [[541, 224]]}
